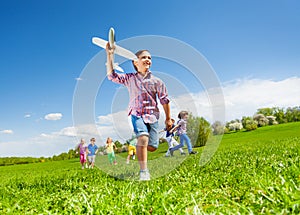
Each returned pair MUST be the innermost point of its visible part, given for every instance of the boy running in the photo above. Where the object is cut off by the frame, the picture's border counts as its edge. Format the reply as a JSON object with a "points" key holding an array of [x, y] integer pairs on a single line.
{"points": [[181, 130], [143, 88]]}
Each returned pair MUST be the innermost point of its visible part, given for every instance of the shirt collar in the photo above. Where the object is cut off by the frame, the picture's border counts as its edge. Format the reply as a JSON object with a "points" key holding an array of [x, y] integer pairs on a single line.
{"points": [[147, 75]]}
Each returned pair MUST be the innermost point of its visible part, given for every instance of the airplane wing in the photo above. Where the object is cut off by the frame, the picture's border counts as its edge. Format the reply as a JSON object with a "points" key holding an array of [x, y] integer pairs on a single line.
{"points": [[99, 42], [118, 49], [125, 53]]}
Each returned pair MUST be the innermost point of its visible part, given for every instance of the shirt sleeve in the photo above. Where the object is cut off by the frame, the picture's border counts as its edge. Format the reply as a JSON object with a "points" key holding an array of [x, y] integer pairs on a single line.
{"points": [[117, 78], [181, 123], [162, 93]]}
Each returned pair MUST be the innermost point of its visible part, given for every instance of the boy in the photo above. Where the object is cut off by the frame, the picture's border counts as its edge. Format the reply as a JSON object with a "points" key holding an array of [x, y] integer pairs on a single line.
{"points": [[181, 130], [143, 89], [171, 140], [92, 151]]}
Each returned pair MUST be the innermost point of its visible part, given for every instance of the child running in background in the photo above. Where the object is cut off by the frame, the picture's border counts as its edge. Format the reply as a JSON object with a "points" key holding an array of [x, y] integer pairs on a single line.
{"points": [[144, 89], [110, 151], [82, 148], [181, 130], [92, 149], [131, 149], [171, 140]]}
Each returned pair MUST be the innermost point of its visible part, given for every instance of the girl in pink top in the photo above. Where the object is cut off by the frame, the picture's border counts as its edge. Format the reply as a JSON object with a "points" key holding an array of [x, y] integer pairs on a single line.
{"points": [[82, 148]]}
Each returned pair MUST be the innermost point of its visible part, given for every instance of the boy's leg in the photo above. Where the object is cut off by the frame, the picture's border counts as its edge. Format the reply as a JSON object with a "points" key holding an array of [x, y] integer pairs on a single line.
{"points": [[169, 139], [142, 132], [177, 147], [175, 143], [141, 151], [93, 160], [187, 140], [153, 136]]}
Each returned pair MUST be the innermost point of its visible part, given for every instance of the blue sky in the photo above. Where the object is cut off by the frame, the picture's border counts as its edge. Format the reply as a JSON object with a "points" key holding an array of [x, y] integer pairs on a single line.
{"points": [[45, 45]]}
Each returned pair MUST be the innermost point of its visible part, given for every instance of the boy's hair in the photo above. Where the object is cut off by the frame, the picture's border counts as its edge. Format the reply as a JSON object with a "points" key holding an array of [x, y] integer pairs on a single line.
{"points": [[138, 53], [182, 114], [93, 139]]}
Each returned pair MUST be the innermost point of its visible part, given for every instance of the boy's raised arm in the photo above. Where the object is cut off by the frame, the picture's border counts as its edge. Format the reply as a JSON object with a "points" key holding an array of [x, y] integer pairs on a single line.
{"points": [[109, 61]]}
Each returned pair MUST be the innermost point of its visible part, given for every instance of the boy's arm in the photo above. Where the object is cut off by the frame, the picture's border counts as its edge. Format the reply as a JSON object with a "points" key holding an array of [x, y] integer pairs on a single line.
{"points": [[173, 129], [168, 120], [109, 61], [162, 130]]}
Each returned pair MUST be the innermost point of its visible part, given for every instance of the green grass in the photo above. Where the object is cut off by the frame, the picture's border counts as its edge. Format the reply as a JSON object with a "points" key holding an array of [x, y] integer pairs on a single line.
{"points": [[255, 172]]}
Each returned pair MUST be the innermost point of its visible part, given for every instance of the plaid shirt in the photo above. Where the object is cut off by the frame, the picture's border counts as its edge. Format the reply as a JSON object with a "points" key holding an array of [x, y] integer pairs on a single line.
{"points": [[142, 94]]}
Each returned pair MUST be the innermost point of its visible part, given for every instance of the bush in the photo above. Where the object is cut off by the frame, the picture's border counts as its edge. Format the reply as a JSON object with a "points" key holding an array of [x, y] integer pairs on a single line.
{"points": [[272, 120], [250, 125], [261, 120], [235, 126]]}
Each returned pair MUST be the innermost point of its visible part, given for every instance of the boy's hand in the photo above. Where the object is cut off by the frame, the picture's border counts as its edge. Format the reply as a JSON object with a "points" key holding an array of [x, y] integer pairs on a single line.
{"points": [[109, 50], [168, 123]]}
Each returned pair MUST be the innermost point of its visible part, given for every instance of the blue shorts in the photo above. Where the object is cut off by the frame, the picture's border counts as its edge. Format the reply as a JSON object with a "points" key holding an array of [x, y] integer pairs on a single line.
{"points": [[149, 129]]}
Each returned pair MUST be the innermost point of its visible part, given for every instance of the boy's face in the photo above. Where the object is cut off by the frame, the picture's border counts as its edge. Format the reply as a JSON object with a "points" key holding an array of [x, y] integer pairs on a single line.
{"points": [[144, 62], [185, 117]]}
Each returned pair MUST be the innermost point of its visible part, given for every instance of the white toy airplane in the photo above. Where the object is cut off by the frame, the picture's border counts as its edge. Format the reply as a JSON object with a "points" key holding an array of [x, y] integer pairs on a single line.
{"points": [[118, 49]]}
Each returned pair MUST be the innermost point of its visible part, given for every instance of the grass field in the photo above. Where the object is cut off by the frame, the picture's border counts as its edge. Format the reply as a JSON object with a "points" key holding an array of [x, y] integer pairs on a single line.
{"points": [[255, 172]]}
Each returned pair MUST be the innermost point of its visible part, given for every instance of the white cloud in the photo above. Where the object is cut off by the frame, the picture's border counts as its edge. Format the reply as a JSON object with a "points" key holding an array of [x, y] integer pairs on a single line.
{"points": [[27, 116], [78, 79], [244, 97], [68, 131], [53, 116], [7, 131]]}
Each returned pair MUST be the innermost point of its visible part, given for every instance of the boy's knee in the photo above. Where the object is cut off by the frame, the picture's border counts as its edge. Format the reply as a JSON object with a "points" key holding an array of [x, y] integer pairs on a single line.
{"points": [[142, 141], [151, 148]]}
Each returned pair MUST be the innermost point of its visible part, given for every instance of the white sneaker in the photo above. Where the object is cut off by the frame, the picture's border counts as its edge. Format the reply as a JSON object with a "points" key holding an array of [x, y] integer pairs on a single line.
{"points": [[144, 175], [168, 153]]}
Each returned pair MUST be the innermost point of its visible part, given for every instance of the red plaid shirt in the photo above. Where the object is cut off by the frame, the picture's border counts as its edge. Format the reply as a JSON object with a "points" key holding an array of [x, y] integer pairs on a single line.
{"points": [[142, 94]]}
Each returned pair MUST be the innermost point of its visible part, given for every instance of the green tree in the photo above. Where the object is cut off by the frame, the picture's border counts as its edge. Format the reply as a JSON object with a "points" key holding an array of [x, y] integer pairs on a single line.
{"points": [[118, 144], [198, 129], [279, 114], [292, 114], [71, 154], [218, 128], [265, 111]]}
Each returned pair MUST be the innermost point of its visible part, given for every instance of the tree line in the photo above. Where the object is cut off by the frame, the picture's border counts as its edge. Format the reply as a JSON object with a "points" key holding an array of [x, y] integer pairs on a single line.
{"points": [[262, 117], [198, 129]]}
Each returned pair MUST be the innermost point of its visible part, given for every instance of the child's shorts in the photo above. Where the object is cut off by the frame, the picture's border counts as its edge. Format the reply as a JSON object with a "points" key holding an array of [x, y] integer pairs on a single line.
{"points": [[91, 158], [149, 129], [131, 150]]}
